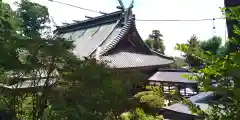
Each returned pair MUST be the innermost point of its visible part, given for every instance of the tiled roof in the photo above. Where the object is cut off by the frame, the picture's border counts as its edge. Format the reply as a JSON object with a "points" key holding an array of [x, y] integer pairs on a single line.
{"points": [[201, 100], [106, 32], [131, 60], [106, 36], [96, 21], [229, 3], [170, 76]]}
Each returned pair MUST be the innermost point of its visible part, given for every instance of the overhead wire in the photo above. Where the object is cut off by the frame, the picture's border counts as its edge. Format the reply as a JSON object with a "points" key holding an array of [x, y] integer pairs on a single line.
{"points": [[142, 20], [100, 12], [179, 20]]}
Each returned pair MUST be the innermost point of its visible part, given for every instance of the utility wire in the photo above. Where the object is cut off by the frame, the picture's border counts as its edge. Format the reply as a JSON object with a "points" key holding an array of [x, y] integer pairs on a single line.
{"points": [[77, 7], [141, 20], [191, 20]]}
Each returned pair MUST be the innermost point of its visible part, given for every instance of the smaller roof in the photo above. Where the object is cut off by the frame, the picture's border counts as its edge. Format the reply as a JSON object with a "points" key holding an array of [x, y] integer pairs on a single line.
{"points": [[200, 99], [132, 60], [171, 76]]}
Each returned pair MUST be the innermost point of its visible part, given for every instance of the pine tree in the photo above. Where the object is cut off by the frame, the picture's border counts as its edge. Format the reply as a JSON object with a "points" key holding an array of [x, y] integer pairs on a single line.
{"points": [[155, 41]]}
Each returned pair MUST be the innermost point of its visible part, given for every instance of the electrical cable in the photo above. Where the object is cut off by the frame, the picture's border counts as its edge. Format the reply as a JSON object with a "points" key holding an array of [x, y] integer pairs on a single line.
{"points": [[214, 27], [78, 7], [141, 20], [193, 20]]}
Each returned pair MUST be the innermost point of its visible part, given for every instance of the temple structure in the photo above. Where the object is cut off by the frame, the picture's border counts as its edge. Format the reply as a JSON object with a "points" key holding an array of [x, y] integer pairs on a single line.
{"points": [[113, 37], [175, 79]]}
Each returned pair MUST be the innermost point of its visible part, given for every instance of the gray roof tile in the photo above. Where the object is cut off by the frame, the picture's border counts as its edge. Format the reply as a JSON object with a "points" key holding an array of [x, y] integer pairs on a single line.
{"points": [[106, 35], [92, 38], [201, 100], [131, 60], [167, 76]]}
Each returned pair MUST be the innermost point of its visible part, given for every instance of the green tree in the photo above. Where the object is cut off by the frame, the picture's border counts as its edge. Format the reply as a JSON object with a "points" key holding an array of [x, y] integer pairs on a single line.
{"points": [[155, 41], [225, 70], [139, 114], [212, 45], [193, 42], [89, 90], [150, 101], [25, 54], [34, 18]]}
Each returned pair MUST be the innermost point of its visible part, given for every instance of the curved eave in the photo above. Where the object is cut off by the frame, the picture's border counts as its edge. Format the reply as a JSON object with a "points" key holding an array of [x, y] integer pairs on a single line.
{"points": [[134, 60], [161, 55], [145, 47]]}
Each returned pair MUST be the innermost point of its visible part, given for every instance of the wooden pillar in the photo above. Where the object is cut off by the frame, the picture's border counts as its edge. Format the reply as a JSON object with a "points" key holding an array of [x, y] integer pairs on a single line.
{"points": [[178, 88], [197, 90], [185, 91], [169, 88], [162, 87]]}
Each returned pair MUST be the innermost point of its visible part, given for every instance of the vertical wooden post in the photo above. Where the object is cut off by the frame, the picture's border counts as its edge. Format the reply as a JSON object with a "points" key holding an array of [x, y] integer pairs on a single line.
{"points": [[185, 91]]}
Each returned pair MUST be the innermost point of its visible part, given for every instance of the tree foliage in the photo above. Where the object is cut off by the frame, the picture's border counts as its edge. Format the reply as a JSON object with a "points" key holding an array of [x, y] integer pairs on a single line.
{"points": [[213, 45], [139, 114], [91, 91], [193, 42], [155, 41], [225, 70]]}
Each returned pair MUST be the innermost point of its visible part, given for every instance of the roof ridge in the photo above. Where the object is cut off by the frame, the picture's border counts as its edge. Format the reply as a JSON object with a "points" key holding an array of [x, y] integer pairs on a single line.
{"points": [[115, 41], [115, 15], [105, 38]]}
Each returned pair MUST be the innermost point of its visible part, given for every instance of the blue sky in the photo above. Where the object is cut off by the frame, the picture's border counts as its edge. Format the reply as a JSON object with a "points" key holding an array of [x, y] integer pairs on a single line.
{"points": [[173, 32]]}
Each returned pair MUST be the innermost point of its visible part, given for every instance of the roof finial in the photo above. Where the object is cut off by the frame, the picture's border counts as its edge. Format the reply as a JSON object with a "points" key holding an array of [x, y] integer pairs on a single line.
{"points": [[131, 5], [121, 4]]}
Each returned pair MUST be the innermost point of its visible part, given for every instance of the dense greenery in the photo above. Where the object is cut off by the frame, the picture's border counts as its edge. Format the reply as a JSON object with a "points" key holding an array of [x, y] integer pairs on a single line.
{"points": [[213, 45], [225, 70]]}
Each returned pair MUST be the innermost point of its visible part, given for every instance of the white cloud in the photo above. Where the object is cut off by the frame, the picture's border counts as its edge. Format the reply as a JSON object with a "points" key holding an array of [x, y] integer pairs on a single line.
{"points": [[173, 32]]}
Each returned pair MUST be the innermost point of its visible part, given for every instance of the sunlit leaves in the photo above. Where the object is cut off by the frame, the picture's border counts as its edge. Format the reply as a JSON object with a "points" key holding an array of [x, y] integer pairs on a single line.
{"points": [[139, 114], [154, 97]]}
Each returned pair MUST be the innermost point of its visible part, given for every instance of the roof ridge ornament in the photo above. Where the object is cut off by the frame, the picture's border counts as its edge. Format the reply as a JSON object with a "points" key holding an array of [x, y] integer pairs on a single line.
{"points": [[121, 5], [127, 12]]}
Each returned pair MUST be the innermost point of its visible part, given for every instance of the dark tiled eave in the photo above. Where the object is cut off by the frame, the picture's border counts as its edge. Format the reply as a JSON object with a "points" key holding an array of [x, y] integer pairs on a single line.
{"points": [[231, 3], [103, 19]]}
